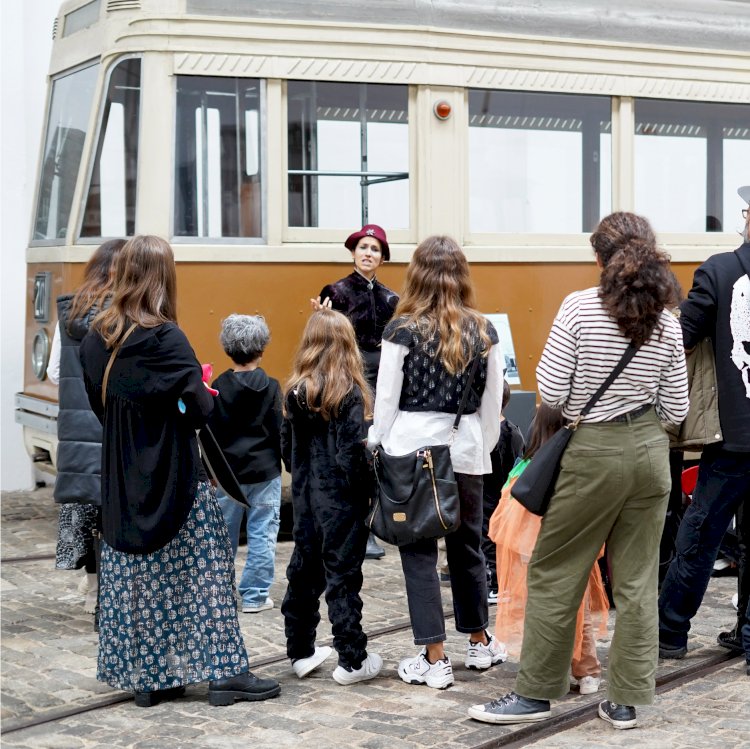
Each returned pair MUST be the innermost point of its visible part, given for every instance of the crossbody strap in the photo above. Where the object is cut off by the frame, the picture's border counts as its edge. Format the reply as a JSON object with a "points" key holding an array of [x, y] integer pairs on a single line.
{"points": [[467, 390], [626, 357], [114, 353]]}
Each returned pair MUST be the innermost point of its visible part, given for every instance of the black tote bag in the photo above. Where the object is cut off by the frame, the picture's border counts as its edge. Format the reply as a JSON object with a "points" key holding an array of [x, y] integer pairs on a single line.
{"points": [[416, 495], [536, 485]]}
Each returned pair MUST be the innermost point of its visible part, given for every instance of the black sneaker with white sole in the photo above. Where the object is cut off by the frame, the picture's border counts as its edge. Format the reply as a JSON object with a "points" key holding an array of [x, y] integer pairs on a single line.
{"points": [[513, 708], [620, 716]]}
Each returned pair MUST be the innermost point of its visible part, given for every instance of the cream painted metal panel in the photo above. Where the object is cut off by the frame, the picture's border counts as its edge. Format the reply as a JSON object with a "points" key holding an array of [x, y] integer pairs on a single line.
{"points": [[274, 108], [154, 202]]}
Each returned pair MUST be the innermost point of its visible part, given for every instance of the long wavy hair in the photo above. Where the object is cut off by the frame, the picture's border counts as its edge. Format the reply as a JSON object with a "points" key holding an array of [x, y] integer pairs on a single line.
{"points": [[328, 365], [98, 279], [145, 289], [636, 282], [438, 298]]}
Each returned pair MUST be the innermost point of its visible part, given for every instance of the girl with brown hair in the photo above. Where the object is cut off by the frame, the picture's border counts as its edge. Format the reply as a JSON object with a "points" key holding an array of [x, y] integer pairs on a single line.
{"points": [[614, 481], [428, 347], [326, 403], [79, 433], [168, 616]]}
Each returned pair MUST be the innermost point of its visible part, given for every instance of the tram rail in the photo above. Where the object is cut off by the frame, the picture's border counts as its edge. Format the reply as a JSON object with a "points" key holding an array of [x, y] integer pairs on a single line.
{"points": [[519, 737]]}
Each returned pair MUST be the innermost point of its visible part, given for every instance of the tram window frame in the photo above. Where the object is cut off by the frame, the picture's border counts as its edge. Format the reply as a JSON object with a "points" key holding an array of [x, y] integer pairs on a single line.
{"points": [[299, 233], [95, 161], [690, 120], [241, 159], [541, 104], [59, 239]]}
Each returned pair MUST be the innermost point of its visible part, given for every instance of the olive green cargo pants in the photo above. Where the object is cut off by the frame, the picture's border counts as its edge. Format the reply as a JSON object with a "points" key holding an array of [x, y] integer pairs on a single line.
{"points": [[613, 486]]}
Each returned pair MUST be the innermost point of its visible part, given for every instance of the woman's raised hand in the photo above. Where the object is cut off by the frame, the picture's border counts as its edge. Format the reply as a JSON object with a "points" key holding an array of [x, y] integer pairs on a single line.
{"points": [[316, 304]]}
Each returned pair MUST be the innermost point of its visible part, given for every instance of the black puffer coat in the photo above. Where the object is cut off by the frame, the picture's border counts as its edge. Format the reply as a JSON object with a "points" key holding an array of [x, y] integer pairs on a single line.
{"points": [[79, 433]]}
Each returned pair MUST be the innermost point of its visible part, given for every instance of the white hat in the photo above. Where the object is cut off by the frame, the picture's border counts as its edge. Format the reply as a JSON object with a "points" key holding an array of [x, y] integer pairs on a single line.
{"points": [[744, 193]]}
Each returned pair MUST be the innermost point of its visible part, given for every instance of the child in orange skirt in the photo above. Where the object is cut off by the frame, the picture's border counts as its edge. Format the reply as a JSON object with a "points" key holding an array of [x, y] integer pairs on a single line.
{"points": [[514, 530]]}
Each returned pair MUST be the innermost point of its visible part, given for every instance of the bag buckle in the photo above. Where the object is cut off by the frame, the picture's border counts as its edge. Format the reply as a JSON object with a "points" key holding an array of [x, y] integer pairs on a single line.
{"points": [[426, 454], [574, 424]]}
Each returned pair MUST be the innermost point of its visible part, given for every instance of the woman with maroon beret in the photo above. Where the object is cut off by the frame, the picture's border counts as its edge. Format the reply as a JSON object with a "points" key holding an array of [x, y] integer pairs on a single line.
{"points": [[368, 304]]}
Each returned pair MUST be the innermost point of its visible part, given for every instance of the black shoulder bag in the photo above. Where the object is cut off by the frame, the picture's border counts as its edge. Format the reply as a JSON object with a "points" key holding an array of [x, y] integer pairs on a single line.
{"points": [[416, 495], [536, 485]]}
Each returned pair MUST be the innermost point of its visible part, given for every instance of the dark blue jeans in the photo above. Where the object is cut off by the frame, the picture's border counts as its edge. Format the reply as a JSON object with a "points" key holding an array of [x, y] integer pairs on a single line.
{"points": [[722, 490]]}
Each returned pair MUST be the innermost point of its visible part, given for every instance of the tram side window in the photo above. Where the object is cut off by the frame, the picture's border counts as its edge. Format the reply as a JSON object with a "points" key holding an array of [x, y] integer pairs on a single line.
{"points": [[348, 154], [110, 205], [538, 163], [218, 187], [67, 124], [690, 158]]}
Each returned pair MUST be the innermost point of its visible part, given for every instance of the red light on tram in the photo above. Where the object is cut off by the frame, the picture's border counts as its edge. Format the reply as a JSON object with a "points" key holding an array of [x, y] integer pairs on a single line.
{"points": [[442, 109]]}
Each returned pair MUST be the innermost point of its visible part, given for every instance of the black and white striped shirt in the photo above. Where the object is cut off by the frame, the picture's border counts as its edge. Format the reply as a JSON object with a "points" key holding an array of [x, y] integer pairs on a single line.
{"points": [[585, 345]]}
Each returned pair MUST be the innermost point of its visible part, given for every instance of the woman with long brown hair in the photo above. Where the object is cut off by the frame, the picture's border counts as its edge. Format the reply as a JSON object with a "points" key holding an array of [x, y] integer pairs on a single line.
{"points": [[326, 403], [79, 433], [436, 333], [168, 615], [614, 481]]}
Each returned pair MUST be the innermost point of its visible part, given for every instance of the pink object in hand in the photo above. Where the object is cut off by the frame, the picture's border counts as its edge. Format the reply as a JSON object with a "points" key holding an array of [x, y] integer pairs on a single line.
{"points": [[208, 372]]}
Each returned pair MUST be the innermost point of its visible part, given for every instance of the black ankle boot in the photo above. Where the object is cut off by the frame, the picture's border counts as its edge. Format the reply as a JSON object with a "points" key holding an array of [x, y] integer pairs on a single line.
{"points": [[149, 699], [243, 687]]}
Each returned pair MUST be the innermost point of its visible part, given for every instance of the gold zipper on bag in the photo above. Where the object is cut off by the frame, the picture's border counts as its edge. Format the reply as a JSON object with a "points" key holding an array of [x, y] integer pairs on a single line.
{"points": [[428, 458]]}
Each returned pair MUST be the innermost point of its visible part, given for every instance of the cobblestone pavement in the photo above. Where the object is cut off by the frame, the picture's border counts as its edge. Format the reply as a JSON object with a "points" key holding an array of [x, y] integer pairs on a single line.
{"points": [[49, 663]]}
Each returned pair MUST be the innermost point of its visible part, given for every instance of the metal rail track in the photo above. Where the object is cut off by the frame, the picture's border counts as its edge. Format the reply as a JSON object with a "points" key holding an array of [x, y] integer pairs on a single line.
{"points": [[517, 738], [28, 558]]}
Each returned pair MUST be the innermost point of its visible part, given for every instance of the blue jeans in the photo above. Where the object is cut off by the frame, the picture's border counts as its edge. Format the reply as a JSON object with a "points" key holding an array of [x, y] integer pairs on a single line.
{"points": [[722, 489], [263, 518]]}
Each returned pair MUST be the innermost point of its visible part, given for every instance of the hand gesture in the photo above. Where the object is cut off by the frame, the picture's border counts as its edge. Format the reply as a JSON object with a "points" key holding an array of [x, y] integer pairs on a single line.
{"points": [[316, 304]]}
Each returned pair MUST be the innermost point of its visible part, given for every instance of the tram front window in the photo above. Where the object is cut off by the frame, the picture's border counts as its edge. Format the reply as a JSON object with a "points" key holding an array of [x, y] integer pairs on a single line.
{"points": [[538, 163], [690, 157], [67, 123], [348, 154], [218, 186], [110, 205]]}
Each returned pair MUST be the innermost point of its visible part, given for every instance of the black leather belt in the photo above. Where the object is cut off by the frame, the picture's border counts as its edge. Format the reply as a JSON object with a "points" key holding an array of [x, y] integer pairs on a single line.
{"points": [[631, 415]]}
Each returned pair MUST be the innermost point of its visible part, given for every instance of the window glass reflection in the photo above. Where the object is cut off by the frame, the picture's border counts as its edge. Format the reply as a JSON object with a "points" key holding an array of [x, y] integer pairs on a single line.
{"points": [[67, 124], [218, 185], [110, 204], [690, 157], [348, 154], [538, 162]]}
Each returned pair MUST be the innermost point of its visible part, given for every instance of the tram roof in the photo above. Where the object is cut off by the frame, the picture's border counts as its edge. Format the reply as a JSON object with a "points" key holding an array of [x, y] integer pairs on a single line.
{"points": [[703, 24]]}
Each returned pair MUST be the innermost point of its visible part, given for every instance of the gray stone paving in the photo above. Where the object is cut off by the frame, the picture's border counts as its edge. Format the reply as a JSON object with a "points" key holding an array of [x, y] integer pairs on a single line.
{"points": [[49, 661]]}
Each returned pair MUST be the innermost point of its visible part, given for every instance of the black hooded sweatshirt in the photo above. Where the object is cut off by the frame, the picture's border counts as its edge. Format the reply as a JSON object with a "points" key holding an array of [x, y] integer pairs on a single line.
{"points": [[246, 422]]}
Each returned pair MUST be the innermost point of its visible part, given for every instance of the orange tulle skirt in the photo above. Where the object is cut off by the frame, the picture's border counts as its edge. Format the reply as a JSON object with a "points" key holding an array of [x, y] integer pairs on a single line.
{"points": [[514, 530]]}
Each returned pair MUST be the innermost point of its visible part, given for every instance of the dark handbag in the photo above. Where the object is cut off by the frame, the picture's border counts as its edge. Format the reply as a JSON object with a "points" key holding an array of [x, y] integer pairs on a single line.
{"points": [[536, 485], [218, 467], [416, 495]]}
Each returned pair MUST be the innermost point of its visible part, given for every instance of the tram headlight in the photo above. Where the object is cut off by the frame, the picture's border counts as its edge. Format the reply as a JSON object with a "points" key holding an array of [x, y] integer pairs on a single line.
{"points": [[40, 354]]}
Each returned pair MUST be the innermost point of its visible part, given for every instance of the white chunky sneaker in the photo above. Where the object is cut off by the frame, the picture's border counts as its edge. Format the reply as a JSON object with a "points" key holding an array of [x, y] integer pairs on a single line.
{"points": [[303, 666], [369, 669], [589, 684], [419, 670], [480, 656]]}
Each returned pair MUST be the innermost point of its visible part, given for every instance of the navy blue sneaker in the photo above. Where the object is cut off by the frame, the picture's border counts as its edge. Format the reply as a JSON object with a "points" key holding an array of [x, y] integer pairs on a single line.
{"points": [[513, 708], [672, 651], [620, 716]]}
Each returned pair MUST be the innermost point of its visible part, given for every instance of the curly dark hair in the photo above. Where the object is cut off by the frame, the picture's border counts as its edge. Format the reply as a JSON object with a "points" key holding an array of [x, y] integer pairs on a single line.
{"points": [[636, 282]]}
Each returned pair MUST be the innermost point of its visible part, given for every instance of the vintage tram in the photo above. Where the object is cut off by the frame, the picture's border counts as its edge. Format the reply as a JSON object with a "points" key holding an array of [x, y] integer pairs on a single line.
{"points": [[256, 134]]}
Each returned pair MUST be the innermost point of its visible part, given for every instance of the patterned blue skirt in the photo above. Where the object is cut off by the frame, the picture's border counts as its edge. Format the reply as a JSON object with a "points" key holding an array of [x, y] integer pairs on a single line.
{"points": [[169, 618]]}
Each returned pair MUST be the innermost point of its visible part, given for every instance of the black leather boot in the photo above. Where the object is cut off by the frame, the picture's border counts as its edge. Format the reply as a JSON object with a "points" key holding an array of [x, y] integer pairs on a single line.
{"points": [[374, 549], [243, 687]]}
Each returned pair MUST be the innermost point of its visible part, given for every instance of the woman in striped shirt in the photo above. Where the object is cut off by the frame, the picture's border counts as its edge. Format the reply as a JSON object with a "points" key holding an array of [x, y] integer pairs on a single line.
{"points": [[614, 481]]}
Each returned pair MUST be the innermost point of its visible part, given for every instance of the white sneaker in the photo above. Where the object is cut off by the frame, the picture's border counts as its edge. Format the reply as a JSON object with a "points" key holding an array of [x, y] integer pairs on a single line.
{"points": [[249, 608], [303, 666], [589, 684], [480, 656], [419, 670], [92, 593], [369, 669], [735, 600]]}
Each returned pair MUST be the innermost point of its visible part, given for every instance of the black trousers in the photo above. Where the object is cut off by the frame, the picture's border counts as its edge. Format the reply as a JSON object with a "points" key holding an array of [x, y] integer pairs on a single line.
{"points": [[468, 574], [329, 547]]}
